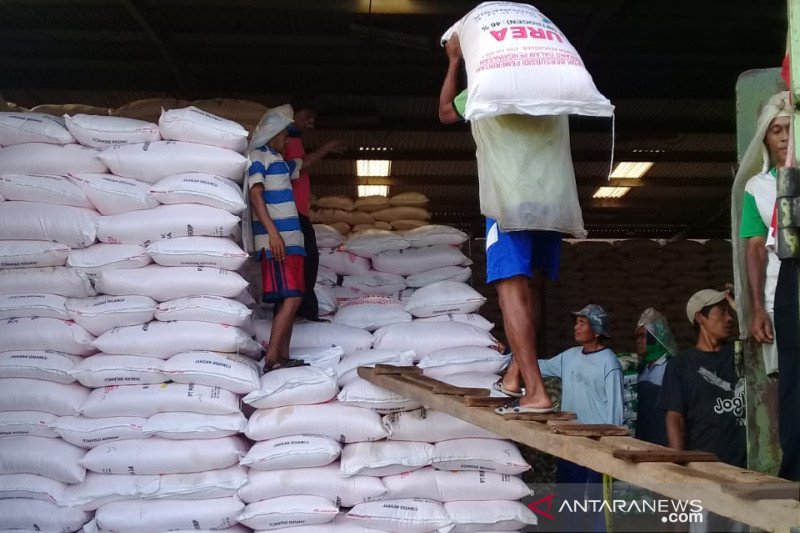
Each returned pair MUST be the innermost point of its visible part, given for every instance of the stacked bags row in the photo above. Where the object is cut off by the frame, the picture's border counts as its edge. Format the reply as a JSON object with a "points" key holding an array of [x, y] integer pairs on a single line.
{"points": [[401, 212], [334, 452], [387, 266], [122, 361], [244, 112]]}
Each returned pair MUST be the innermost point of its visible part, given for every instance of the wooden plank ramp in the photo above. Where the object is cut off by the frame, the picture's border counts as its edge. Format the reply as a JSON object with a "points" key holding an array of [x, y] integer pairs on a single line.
{"points": [[750, 497]]}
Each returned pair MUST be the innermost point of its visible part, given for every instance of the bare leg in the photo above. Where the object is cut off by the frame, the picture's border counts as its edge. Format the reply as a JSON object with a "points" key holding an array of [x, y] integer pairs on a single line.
{"points": [[281, 332], [515, 302], [513, 378]]}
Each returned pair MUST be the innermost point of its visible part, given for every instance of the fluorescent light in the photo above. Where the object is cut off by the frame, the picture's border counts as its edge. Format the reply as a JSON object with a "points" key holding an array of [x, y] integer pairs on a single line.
{"points": [[611, 192], [373, 167], [631, 169], [373, 190]]}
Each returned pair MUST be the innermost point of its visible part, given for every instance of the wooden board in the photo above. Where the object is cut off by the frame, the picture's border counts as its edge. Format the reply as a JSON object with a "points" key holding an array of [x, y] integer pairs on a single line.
{"points": [[541, 417], [461, 391], [700, 481], [765, 491], [397, 370], [484, 401], [590, 430], [663, 456]]}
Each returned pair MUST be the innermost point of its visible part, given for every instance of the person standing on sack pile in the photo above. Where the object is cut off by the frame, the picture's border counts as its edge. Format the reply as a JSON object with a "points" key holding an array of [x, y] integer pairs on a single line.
{"points": [[591, 387], [517, 261], [765, 285], [655, 345], [703, 393], [304, 117], [274, 236]]}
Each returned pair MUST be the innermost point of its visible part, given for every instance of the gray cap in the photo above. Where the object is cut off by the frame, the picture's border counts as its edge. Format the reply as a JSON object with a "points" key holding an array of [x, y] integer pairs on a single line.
{"points": [[597, 317]]}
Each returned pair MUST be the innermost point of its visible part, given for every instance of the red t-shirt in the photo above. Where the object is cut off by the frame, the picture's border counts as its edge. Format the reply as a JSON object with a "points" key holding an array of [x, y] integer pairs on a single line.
{"points": [[301, 187]]}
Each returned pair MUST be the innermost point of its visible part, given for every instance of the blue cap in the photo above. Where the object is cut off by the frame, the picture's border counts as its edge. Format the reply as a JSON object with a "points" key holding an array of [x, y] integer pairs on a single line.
{"points": [[597, 317]]}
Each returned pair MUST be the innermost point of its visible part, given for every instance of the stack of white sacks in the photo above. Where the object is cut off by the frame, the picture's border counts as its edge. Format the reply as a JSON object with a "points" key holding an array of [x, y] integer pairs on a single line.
{"points": [[335, 452], [122, 362], [144, 321]]}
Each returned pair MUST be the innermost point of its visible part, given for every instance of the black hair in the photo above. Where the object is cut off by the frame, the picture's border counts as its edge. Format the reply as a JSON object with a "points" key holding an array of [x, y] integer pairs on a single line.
{"points": [[705, 311]]}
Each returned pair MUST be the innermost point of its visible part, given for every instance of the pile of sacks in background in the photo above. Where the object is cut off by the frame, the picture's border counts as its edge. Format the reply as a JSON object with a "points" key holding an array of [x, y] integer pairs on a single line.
{"points": [[402, 211], [386, 268], [122, 361]]}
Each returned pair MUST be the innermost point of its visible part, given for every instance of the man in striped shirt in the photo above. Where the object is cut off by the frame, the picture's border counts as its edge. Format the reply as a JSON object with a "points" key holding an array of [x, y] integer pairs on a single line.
{"points": [[277, 238]]}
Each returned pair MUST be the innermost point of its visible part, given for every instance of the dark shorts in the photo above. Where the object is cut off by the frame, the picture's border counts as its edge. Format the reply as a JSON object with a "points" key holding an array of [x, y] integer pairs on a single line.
{"points": [[520, 253], [282, 279]]}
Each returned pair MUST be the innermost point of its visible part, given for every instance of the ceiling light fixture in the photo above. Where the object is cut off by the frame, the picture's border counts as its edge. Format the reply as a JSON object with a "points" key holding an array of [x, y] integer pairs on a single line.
{"points": [[631, 169], [373, 190], [611, 192], [373, 167]]}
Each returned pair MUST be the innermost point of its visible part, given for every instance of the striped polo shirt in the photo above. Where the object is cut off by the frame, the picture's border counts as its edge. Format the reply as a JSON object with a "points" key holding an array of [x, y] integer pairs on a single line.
{"points": [[267, 167]]}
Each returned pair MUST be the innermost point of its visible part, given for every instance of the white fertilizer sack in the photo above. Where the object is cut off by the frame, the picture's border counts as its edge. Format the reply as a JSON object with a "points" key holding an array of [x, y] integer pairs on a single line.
{"points": [[147, 400], [21, 394], [32, 254], [214, 309], [63, 281], [99, 257], [294, 386], [43, 188], [427, 425], [101, 132], [163, 456], [74, 226], [165, 339], [168, 283], [294, 451], [385, 458], [33, 304], [167, 222], [114, 195], [103, 313], [214, 252], [39, 364], [19, 128], [194, 125], [91, 432], [324, 481], [104, 370], [153, 161], [339, 422]]}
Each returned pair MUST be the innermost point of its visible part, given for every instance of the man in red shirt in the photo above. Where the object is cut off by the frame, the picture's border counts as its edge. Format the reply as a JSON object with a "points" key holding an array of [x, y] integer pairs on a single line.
{"points": [[304, 117]]}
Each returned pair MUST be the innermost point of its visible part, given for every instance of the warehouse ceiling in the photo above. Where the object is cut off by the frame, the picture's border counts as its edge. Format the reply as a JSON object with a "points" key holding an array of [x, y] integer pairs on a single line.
{"points": [[375, 68]]}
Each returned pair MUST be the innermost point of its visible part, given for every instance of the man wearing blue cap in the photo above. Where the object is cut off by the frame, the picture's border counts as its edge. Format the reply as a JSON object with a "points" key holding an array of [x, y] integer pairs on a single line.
{"points": [[591, 387], [591, 374]]}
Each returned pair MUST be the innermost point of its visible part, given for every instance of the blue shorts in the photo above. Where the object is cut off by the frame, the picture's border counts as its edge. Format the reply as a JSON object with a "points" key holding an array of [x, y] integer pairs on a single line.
{"points": [[521, 253]]}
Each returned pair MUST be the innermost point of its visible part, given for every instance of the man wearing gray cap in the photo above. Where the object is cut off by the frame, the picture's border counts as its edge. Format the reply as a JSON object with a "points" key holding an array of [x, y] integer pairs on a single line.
{"points": [[702, 393], [591, 387]]}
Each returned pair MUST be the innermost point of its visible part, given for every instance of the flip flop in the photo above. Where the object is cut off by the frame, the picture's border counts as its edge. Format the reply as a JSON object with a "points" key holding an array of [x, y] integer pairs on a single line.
{"points": [[515, 407], [499, 387]]}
